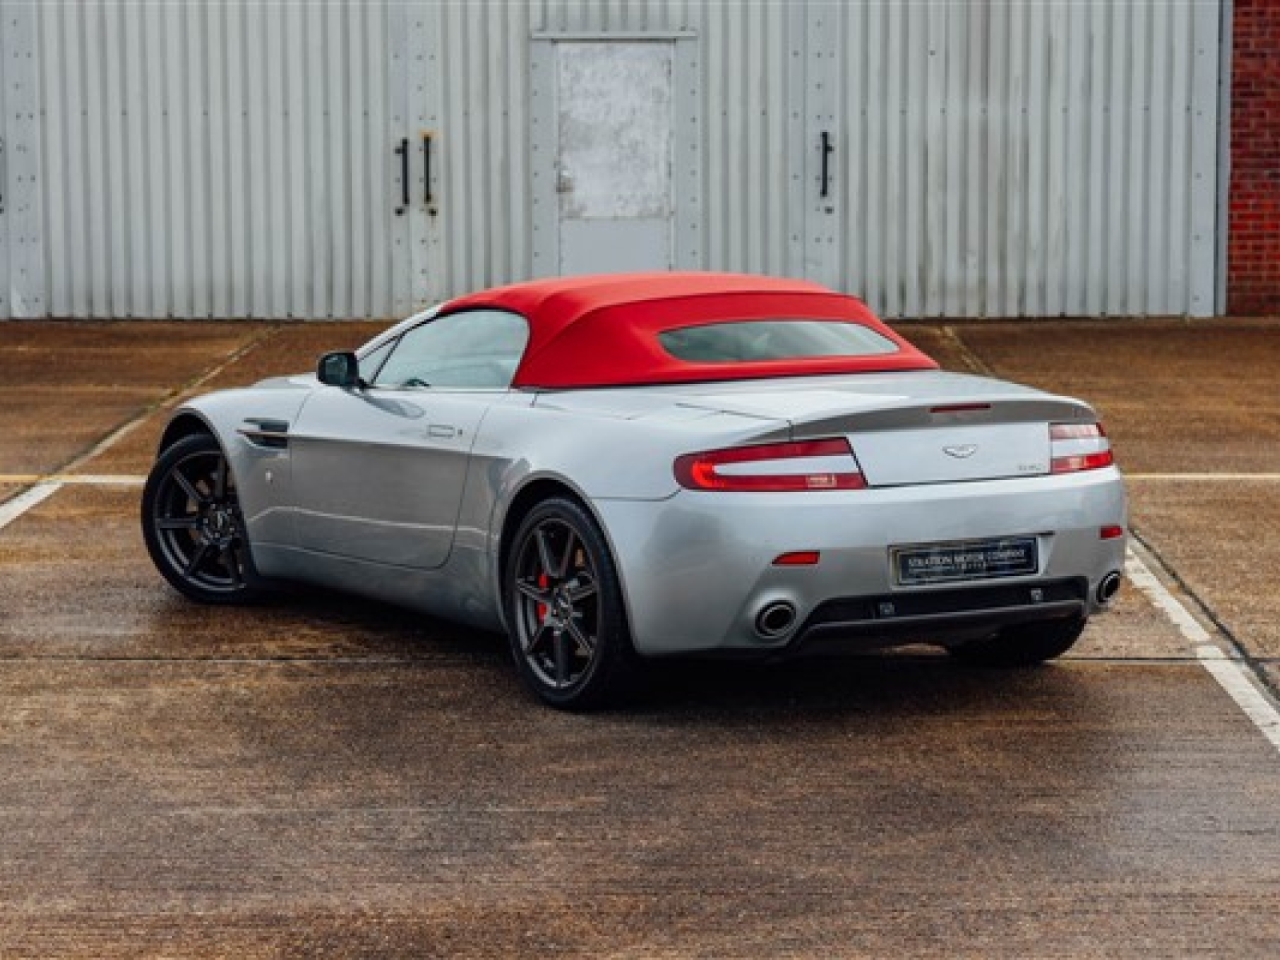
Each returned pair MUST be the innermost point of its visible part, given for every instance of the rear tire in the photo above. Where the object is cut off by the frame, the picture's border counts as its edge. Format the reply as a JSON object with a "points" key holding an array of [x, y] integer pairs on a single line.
{"points": [[565, 616], [1022, 645], [192, 524]]}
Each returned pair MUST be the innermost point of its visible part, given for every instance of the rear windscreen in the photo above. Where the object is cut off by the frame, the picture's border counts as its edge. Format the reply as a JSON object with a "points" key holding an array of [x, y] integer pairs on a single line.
{"points": [[754, 340]]}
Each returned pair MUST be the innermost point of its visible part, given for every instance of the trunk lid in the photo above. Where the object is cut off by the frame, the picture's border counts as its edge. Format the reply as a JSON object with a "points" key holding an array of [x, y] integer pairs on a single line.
{"points": [[917, 428]]}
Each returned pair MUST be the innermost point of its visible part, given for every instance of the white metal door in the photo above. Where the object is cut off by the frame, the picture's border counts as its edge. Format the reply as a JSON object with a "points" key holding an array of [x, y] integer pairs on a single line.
{"points": [[613, 161]]}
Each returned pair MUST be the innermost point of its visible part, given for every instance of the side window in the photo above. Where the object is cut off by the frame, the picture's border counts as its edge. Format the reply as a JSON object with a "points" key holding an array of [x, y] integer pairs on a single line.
{"points": [[477, 349]]}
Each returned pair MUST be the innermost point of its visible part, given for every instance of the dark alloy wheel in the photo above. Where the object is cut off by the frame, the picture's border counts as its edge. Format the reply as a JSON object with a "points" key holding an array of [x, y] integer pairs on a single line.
{"points": [[1022, 645], [564, 609], [192, 524]]}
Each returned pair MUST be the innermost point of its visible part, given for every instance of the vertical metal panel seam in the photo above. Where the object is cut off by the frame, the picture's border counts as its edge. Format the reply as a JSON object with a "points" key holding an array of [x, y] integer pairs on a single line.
{"points": [[1157, 147], [61, 282], [224, 280], [25, 124], [497, 186], [849, 163], [96, 153], [1056, 144], [980, 69], [1178, 186], [518, 136], [1075, 278], [1100, 168], [1037, 182], [355, 23], [115, 120], [794, 124], [713, 95], [9, 107], [1222, 128]]}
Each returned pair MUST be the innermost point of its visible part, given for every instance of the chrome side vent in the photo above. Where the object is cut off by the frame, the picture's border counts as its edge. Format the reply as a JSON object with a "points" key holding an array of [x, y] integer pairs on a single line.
{"points": [[272, 434]]}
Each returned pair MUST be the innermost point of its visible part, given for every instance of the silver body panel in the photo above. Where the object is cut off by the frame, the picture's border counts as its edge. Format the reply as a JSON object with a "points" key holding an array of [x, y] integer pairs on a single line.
{"points": [[403, 494]]}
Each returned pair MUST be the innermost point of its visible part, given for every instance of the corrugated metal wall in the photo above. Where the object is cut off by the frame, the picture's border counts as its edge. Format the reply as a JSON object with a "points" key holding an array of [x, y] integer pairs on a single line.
{"points": [[1028, 159], [213, 160], [237, 159]]}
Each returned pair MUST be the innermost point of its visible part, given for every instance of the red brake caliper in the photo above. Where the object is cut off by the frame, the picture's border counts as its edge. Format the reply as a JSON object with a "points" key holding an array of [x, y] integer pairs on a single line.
{"points": [[542, 607]]}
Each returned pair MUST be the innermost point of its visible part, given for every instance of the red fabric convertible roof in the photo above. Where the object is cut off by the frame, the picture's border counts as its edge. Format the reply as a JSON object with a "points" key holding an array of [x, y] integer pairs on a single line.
{"points": [[602, 330]]}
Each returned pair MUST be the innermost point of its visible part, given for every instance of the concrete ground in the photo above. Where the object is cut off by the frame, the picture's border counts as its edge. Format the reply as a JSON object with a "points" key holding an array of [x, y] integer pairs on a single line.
{"points": [[321, 776]]}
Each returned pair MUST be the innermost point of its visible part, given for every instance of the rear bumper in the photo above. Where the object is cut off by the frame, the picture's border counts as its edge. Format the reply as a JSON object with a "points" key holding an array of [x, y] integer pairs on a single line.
{"points": [[939, 616], [697, 569]]}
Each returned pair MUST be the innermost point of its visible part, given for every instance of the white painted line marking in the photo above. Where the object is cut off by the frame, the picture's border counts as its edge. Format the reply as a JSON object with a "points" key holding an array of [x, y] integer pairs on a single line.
{"points": [[1140, 576], [1234, 678], [89, 479], [1202, 476], [46, 486], [1232, 675], [101, 479], [11, 510], [170, 400]]}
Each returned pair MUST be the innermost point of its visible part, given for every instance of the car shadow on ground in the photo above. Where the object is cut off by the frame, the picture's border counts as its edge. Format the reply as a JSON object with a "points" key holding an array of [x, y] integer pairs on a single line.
{"points": [[889, 682]]}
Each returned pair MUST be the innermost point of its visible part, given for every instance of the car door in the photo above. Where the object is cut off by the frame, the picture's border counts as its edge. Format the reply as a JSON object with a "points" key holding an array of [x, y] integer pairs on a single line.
{"points": [[379, 470]]}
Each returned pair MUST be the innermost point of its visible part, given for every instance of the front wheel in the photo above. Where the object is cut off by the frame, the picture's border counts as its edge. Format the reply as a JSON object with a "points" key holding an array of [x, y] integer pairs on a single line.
{"points": [[564, 609], [192, 524], [1023, 644]]}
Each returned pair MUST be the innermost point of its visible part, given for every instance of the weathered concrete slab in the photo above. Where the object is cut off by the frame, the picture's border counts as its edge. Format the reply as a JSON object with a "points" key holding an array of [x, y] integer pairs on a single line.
{"points": [[68, 384], [78, 583], [319, 776], [43, 428], [427, 809], [1131, 630], [1176, 396], [1223, 539], [940, 342], [284, 349]]}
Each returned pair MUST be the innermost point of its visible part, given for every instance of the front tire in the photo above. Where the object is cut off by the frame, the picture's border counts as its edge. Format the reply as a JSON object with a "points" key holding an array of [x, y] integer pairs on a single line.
{"points": [[1023, 644], [565, 615], [192, 524]]}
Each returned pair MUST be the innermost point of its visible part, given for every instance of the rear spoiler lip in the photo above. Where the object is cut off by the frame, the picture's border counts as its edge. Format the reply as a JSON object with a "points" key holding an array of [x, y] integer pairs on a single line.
{"points": [[924, 415]]}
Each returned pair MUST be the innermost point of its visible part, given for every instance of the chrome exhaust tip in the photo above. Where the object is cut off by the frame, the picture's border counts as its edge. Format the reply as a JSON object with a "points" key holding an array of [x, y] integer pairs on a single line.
{"points": [[1109, 587], [775, 620]]}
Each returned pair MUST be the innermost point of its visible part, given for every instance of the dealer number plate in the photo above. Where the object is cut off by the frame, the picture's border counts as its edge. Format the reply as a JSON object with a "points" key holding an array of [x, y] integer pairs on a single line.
{"points": [[971, 560]]}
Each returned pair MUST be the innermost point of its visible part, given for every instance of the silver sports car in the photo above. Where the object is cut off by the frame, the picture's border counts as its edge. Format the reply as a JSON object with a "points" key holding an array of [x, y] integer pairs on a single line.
{"points": [[618, 467]]}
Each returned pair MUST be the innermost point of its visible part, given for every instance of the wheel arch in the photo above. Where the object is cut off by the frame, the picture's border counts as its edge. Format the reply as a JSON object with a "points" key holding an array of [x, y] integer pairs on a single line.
{"points": [[534, 491], [185, 424]]}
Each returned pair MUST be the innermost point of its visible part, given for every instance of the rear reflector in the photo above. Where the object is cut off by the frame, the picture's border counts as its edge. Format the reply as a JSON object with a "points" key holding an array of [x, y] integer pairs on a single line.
{"points": [[1078, 446], [1089, 461], [1111, 532], [773, 467], [798, 558]]}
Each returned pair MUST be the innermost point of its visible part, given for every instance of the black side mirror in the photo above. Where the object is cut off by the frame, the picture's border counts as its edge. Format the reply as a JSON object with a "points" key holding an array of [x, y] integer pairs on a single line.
{"points": [[339, 369]]}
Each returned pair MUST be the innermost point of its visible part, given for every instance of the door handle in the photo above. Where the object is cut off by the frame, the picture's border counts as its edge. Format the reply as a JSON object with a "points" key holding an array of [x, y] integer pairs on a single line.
{"points": [[828, 148], [403, 151], [427, 196], [428, 193]]}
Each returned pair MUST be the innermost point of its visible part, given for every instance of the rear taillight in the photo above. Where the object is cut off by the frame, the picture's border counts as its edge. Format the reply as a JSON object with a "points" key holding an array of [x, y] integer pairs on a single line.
{"points": [[773, 467], [1078, 446]]}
